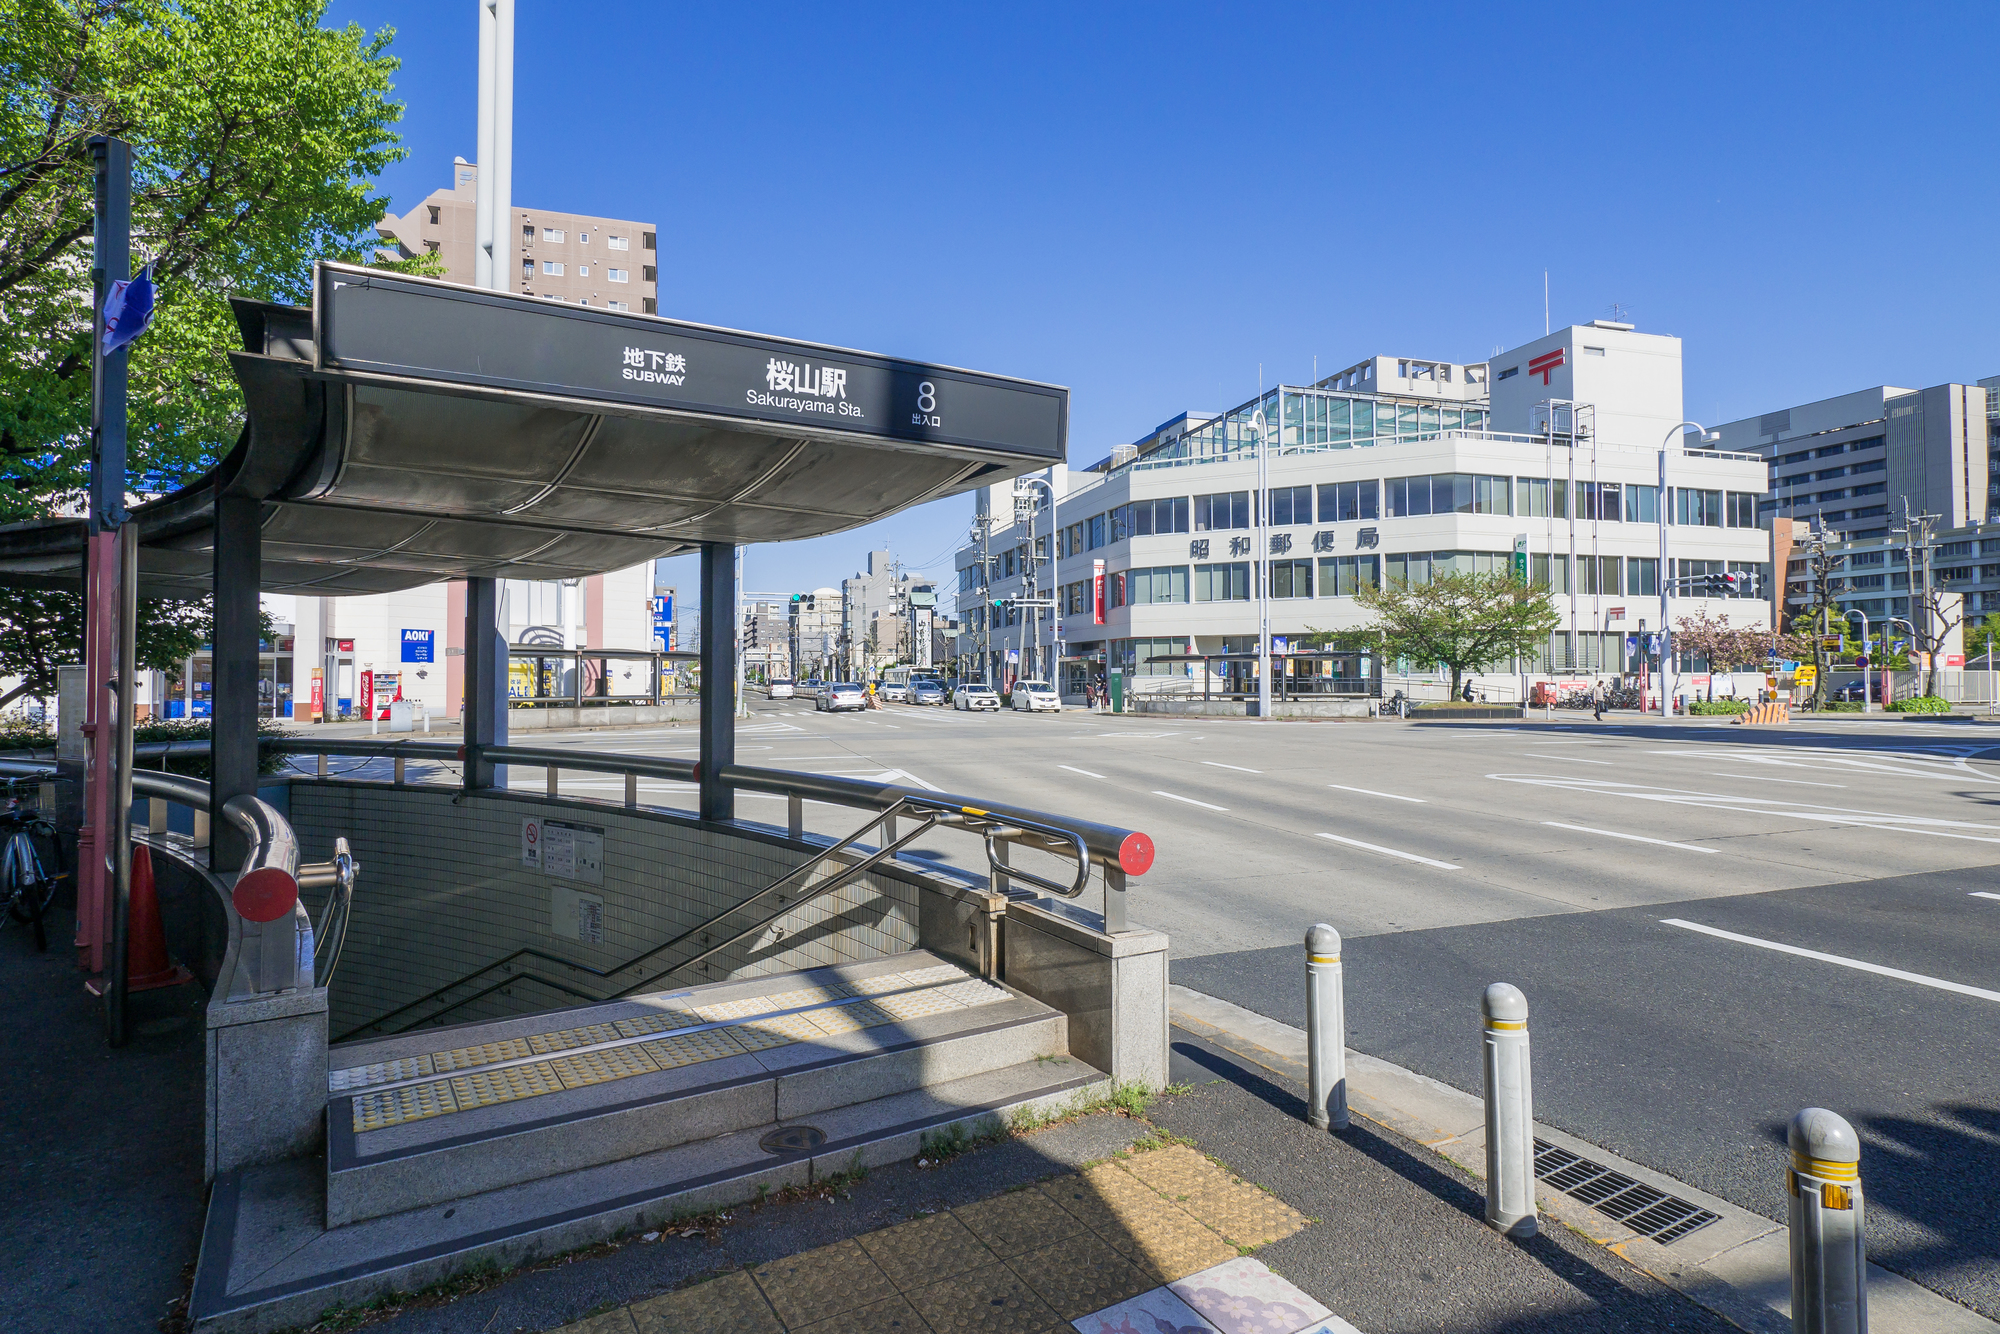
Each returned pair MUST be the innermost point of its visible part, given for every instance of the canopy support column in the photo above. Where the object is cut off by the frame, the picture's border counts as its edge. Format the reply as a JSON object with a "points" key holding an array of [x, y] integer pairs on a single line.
{"points": [[485, 683], [718, 677], [233, 751]]}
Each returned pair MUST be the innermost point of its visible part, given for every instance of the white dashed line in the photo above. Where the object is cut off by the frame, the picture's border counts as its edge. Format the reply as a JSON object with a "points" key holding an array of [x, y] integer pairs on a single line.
{"points": [[1857, 964], [1237, 767], [1190, 801], [1391, 852], [1636, 838], [1073, 769], [1982, 894], [1371, 792]]}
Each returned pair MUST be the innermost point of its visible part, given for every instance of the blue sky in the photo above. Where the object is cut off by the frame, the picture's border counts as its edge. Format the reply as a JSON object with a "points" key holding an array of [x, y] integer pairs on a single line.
{"points": [[1149, 204]]}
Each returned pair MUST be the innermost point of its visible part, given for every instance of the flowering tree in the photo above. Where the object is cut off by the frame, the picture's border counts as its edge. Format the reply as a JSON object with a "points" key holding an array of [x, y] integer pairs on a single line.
{"points": [[1728, 647]]}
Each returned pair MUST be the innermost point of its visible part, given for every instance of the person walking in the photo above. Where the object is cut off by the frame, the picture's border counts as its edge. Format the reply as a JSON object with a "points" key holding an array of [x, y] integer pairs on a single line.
{"points": [[1597, 701]]}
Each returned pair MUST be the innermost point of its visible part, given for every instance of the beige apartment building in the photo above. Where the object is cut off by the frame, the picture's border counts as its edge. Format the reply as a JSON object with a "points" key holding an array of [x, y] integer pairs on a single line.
{"points": [[606, 262]]}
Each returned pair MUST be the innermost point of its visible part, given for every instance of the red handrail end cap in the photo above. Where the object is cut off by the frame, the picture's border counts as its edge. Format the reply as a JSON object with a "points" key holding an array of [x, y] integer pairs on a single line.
{"points": [[1135, 854], [461, 754], [265, 895]]}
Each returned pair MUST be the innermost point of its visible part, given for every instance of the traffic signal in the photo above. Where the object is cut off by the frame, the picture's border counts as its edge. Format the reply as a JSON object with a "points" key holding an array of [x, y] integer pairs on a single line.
{"points": [[751, 638]]}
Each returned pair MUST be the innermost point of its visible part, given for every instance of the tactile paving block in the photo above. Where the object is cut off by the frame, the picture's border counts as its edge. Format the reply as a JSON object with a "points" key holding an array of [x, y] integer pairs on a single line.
{"points": [[847, 1018], [974, 992], [756, 1039], [464, 1058], [917, 1005], [784, 1027], [602, 1066], [382, 1072], [1234, 1208], [392, 1107], [568, 1038], [483, 1088], [658, 1022], [881, 984], [688, 1048]]}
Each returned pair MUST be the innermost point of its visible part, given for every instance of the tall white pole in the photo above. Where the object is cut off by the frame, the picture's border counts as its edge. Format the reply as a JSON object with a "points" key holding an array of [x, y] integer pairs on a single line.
{"points": [[483, 209], [1665, 581], [742, 702], [1259, 564], [503, 144]]}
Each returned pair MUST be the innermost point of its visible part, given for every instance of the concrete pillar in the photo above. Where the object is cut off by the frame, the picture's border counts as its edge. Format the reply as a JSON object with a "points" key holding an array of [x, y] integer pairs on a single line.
{"points": [[238, 572], [718, 677], [485, 682]]}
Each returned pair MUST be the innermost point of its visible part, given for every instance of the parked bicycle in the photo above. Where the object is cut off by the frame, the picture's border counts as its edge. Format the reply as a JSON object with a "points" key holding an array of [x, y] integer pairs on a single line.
{"points": [[27, 887]]}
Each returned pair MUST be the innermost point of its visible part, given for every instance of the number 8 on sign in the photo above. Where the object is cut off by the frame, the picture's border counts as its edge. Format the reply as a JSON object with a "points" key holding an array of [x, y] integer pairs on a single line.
{"points": [[926, 413]]}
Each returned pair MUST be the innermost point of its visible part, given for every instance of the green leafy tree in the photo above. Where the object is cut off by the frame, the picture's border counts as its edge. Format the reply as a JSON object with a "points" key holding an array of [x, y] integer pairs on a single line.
{"points": [[1465, 621], [45, 629], [1982, 639], [255, 136]]}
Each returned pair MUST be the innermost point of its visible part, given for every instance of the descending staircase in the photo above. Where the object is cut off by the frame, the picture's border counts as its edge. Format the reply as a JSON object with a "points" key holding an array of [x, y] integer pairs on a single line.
{"points": [[497, 1142]]}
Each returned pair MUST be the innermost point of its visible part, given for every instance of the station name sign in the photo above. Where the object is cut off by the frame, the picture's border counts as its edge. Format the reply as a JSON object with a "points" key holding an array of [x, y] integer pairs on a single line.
{"points": [[388, 324]]}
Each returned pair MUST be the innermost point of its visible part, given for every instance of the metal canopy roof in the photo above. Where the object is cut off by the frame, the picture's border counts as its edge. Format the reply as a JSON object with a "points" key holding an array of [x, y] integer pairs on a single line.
{"points": [[403, 431]]}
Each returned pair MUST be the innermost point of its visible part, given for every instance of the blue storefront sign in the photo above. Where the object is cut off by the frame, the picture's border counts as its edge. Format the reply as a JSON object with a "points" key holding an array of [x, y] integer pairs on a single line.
{"points": [[419, 645], [663, 622]]}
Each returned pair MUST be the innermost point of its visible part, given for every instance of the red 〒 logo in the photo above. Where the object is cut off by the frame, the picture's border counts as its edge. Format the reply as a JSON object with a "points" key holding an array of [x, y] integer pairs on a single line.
{"points": [[1545, 364]]}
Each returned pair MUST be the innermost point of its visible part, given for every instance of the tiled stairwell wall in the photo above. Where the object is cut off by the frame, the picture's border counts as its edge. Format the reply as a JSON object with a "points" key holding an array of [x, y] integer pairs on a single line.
{"points": [[443, 892]]}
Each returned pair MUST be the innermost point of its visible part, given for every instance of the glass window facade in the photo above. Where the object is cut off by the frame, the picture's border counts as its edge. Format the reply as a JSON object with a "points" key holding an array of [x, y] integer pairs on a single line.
{"points": [[1158, 583], [1341, 576], [1541, 497], [1291, 579], [1346, 502], [1223, 509], [1228, 582], [1447, 493]]}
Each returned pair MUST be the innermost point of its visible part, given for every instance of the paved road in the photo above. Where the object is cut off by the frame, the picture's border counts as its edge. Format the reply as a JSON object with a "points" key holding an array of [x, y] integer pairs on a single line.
{"points": [[1592, 865]]}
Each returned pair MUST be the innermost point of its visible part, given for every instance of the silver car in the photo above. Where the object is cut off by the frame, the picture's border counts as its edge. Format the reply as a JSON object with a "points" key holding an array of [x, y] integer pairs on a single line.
{"points": [[837, 695]]}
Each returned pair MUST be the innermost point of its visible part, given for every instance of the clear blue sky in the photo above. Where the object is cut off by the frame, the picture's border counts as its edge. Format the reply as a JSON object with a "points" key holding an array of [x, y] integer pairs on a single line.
{"points": [[1148, 203]]}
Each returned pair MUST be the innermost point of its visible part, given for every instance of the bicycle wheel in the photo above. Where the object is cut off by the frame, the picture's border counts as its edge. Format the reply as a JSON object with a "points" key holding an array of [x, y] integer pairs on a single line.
{"points": [[26, 887]]}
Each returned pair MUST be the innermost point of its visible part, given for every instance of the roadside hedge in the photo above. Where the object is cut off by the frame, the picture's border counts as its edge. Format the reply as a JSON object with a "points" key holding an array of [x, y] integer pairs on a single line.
{"points": [[1719, 706], [1920, 704]]}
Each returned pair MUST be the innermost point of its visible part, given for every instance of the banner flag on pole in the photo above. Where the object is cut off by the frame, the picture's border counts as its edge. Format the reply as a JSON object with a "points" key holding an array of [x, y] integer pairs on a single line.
{"points": [[128, 310]]}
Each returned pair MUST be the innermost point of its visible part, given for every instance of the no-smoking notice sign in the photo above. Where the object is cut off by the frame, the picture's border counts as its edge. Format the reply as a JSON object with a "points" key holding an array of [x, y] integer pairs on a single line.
{"points": [[557, 847]]}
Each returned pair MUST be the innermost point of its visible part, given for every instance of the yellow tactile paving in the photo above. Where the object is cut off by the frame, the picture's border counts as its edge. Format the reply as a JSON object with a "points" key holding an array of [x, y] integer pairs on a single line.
{"points": [[566, 1039], [757, 1039], [482, 1088], [688, 1048], [414, 1102], [464, 1058], [598, 1067], [940, 989], [659, 1022], [382, 1072]]}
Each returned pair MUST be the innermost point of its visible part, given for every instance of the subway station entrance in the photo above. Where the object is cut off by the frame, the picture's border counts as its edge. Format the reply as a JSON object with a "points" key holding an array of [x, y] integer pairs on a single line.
{"points": [[457, 1020]]}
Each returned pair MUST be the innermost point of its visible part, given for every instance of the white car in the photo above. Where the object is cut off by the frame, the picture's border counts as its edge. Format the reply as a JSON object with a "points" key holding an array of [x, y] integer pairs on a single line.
{"points": [[974, 695], [778, 690], [1036, 697], [894, 693]]}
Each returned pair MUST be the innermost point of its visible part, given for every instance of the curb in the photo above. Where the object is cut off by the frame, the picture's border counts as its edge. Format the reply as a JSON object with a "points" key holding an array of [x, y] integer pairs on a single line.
{"points": [[1737, 1267]]}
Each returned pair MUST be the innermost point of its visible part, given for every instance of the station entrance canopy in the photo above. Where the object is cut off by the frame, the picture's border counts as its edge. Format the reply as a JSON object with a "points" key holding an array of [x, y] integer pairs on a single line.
{"points": [[403, 431]]}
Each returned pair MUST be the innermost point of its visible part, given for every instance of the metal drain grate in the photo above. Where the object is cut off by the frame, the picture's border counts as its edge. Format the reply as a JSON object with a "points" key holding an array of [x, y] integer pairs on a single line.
{"points": [[792, 1139], [1663, 1217]]}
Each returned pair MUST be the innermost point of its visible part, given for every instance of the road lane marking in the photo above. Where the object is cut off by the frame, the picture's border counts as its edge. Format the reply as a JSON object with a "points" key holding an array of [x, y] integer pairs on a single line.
{"points": [[1636, 838], [1237, 767], [1392, 852], [1573, 759], [1371, 792], [1982, 894], [1073, 769], [1190, 801], [1857, 964], [1758, 778]]}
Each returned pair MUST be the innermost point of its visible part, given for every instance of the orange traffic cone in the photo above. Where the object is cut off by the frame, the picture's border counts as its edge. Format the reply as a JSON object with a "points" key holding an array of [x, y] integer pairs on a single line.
{"points": [[147, 967]]}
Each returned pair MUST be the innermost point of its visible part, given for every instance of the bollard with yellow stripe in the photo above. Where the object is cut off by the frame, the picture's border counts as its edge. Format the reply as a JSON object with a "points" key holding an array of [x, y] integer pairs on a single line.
{"points": [[1829, 1239], [1510, 1112], [1777, 711], [1326, 1030]]}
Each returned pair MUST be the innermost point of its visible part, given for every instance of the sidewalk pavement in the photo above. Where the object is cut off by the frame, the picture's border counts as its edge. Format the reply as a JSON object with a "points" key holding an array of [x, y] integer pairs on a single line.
{"points": [[1737, 1265]]}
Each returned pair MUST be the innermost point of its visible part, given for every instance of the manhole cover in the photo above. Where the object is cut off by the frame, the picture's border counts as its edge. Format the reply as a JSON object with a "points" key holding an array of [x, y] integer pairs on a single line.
{"points": [[793, 1139]]}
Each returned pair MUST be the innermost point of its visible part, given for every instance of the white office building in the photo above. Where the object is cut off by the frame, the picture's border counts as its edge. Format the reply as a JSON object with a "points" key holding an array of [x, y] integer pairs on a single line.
{"points": [[1392, 469]]}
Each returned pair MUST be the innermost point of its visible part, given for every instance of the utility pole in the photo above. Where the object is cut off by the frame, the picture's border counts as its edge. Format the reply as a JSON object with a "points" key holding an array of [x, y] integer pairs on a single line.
{"points": [[1821, 566], [1916, 531], [982, 528]]}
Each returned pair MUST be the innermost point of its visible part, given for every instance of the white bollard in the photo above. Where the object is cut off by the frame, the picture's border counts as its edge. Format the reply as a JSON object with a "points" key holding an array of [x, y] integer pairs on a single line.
{"points": [[1829, 1241], [1510, 1113], [1326, 1030]]}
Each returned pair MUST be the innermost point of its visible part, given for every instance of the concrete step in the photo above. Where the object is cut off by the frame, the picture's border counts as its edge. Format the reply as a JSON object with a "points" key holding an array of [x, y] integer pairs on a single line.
{"points": [[269, 1262], [428, 1118]]}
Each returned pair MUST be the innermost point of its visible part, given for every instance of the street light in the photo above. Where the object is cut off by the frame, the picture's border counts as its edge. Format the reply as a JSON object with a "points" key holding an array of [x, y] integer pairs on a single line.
{"points": [[1034, 564], [1849, 614], [1259, 504], [1665, 575]]}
